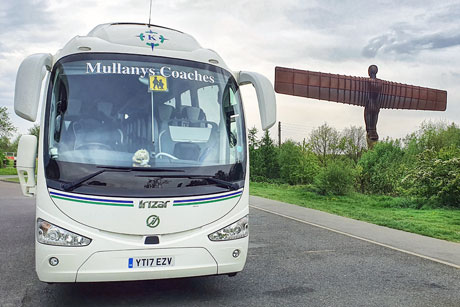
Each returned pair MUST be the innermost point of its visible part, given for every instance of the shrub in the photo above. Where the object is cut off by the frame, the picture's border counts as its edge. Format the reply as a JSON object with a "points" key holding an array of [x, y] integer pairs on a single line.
{"points": [[436, 176], [381, 169], [297, 166], [433, 136], [337, 178]]}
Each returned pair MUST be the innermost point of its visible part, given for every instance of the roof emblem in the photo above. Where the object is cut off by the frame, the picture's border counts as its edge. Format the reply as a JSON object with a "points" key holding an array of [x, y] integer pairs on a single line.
{"points": [[151, 38]]}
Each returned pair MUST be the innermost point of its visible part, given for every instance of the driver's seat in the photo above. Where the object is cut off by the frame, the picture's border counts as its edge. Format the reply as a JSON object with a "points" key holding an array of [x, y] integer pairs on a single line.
{"points": [[92, 132]]}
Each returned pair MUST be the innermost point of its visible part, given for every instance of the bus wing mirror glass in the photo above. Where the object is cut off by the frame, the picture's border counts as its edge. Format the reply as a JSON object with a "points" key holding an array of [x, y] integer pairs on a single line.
{"points": [[29, 84], [265, 96], [25, 163]]}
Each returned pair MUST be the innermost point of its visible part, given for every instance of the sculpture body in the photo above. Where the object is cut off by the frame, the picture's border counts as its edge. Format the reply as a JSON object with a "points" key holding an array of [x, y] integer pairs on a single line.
{"points": [[370, 93]]}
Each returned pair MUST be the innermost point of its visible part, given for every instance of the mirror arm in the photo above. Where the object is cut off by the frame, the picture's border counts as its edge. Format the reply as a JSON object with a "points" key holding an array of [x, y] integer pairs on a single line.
{"points": [[28, 186], [25, 164], [265, 96]]}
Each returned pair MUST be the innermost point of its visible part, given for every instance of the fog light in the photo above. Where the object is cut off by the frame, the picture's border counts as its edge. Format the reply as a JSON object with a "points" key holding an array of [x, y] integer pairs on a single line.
{"points": [[236, 253], [54, 261]]}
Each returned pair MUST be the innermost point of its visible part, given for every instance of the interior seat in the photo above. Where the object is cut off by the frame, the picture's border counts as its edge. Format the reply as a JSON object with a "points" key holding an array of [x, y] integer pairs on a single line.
{"points": [[190, 117]]}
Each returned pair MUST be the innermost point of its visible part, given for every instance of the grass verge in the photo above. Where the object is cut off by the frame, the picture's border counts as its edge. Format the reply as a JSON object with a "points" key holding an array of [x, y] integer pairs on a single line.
{"points": [[8, 171], [376, 209]]}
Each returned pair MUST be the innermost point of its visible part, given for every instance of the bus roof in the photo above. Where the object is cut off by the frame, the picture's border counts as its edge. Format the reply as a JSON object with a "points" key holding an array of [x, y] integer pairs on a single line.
{"points": [[144, 39]]}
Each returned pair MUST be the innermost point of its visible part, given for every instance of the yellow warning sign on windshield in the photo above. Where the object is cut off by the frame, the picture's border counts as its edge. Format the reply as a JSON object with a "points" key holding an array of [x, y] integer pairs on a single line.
{"points": [[158, 84]]}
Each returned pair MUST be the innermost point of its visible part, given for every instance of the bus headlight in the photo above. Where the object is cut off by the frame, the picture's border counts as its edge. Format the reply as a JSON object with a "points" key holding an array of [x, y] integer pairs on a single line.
{"points": [[54, 235], [237, 230]]}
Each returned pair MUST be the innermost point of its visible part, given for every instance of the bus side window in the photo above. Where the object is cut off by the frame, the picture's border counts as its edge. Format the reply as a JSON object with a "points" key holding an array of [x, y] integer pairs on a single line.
{"points": [[186, 99], [208, 102]]}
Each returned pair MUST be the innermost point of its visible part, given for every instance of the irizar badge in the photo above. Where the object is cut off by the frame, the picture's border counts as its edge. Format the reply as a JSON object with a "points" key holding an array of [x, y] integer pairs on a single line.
{"points": [[153, 204], [153, 221]]}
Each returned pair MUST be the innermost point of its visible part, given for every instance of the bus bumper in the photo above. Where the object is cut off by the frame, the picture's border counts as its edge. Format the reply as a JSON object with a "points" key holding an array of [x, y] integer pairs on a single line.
{"points": [[114, 265]]}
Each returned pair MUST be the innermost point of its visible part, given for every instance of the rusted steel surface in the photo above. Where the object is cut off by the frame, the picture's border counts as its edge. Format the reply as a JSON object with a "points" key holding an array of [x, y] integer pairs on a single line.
{"points": [[357, 90]]}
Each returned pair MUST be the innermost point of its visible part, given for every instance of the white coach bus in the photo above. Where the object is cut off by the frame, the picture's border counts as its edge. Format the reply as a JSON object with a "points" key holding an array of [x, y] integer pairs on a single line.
{"points": [[142, 156]]}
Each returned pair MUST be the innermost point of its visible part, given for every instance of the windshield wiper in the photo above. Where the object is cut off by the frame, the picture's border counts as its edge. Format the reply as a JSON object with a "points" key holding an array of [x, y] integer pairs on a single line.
{"points": [[230, 185], [227, 184], [70, 186]]}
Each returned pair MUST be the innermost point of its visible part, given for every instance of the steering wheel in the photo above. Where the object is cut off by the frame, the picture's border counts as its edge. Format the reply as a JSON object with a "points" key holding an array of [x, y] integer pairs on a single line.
{"points": [[93, 145], [161, 154]]}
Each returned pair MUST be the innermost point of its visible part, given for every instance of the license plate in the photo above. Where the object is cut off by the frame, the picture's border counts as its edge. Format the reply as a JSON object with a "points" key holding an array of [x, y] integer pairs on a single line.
{"points": [[149, 262]]}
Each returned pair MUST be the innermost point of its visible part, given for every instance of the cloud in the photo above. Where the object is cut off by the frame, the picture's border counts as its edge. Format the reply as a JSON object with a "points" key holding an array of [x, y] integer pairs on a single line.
{"points": [[2, 50], [19, 14], [374, 46], [409, 43], [433, 28]]}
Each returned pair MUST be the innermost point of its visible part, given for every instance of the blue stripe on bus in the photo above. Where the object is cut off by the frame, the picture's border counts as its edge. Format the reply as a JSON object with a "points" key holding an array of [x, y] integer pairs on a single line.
{"points": [[94, 199], [207, 198]]}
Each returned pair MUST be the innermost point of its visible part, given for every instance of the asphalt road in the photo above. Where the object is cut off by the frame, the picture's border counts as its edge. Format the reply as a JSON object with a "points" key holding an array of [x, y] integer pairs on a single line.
{"points": [[289, 264]]}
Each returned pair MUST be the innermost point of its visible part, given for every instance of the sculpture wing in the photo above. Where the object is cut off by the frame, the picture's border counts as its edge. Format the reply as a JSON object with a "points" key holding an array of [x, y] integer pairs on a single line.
{"points": [[357, 90]]}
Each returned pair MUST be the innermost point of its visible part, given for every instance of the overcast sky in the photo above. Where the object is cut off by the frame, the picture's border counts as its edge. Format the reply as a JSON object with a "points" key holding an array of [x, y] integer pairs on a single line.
{"points": [[414, 42]]}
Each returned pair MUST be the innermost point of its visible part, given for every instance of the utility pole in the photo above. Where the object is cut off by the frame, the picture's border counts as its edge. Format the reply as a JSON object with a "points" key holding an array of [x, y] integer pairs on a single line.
{"points": [[279, 134]]}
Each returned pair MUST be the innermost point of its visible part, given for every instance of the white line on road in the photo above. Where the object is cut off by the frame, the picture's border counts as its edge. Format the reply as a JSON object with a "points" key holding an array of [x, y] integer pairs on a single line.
{"points": [[359, 238]]}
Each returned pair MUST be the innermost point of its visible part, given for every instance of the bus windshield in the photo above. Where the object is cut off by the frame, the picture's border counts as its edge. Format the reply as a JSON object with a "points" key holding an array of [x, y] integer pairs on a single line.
{"points": [[143, 112]]}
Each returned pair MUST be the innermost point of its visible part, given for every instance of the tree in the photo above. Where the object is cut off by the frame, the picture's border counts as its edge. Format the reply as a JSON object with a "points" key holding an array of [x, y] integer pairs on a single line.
{"points": [[6, 126], [14, 145], [353, 142], [324, 141], [254, 157], [268, 157], [433, 136], [6, 129], [4, 144], [297, 166], [34, 130], [252, 137]]}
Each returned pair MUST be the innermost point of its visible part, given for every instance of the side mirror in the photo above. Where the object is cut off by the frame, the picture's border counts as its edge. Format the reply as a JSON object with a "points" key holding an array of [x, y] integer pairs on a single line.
{"points": [[29, 84], [25, 164], [265, 96]]}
